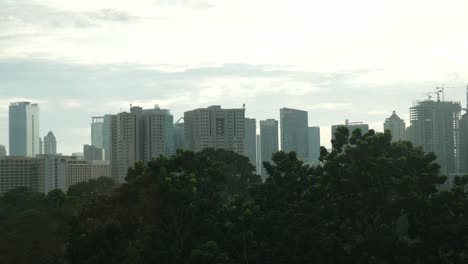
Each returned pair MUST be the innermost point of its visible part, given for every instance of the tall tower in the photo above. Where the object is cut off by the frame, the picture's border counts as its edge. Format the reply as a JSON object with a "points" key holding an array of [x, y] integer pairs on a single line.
{"points": [[50, 144], [435, 127], [351, 127], [268, 142], [214, 127], [2, 151], [396, 126], [250, 140], [24, 129], [294, 125]]}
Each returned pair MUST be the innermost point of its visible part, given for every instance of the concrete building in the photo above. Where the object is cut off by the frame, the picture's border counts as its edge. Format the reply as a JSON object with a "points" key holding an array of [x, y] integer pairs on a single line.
{"points": [[313, 134], [259, 156], [214, 127], [2, 151], [435, 127], [50, 144], [294, 124], [24, 129], [97, 124], [91, 152], [48, 172], [20, 172], [351, 127], [250, 146], [179, 136], [139, 135], [107, 135], [268, 142], [78, 155], [41, 146], [396, 126]]}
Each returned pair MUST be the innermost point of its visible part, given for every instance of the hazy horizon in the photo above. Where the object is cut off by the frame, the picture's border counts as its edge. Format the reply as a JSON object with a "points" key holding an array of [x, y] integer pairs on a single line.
{"points": [[337, 60]]}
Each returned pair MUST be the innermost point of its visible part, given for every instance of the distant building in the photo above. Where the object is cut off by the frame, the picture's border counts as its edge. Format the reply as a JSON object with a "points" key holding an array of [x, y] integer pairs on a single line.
{"points": [[250, 149], [107, 135], [179, 136], [396, 126], [139, 135], [313, 134], [41, 146], [259, 156], [214, 127], [2, 151], [50, 144], [268, 142], [24, 129], [97, 124], [435, 127], [93, 153], [78, 155], [48, 172], [351, 127], [294, 125]]}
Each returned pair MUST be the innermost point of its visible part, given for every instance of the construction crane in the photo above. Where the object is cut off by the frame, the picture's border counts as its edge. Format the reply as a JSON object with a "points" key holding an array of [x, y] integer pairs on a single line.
{"points": [[441, 90], [429, 95], [178, 121]]}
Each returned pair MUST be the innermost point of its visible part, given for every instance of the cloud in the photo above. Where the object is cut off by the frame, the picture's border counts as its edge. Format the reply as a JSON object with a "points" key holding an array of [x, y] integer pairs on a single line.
{"points": [[186, 3]]}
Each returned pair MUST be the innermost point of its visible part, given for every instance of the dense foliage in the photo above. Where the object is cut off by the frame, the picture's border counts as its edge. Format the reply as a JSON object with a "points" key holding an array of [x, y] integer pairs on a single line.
{"points": [[369, 201]]}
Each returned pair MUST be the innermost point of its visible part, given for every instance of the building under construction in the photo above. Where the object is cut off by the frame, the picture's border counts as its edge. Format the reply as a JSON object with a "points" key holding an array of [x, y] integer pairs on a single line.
{"points": [[435, 126]]}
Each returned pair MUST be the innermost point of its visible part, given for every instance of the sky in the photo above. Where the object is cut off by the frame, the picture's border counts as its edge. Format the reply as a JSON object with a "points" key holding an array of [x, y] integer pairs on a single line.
{"points": [[337, 59]]}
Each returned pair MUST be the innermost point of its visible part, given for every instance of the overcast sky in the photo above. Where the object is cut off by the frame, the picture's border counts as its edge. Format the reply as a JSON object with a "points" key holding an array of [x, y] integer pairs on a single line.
{"points": [[336, 59]]}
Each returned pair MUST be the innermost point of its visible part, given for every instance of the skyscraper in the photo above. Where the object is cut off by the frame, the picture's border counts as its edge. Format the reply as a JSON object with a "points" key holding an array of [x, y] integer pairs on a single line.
{"points": [[259, 156], [97, 131], [139, 135], [214, 127], [2, 151], [313, 134], [294, 124], [50, 144], [464, 139], [435, 127], [179, 136], [24, 129], [396, 126], [351, 127], [250, 140], [268, 142], [107, 135]]}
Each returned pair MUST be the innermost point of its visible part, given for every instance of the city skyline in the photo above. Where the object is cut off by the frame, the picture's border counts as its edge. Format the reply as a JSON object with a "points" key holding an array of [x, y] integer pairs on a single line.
{"points": [[91, 58]]}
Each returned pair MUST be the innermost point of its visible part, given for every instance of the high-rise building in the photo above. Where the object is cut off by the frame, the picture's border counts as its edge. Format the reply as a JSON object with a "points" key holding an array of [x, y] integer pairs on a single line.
{"points": [[396, 126], [179, 136], [294, 124], [24, 129], [18, 171], [313, 134], [50, 144], [41, 146], [259, 156], [91, 152], [351, 127], [464, 139], [2, 151], [139, 135], [268, 142], [250, 149], [214, 127], [97, 124], [435, 127], [107, 135]]}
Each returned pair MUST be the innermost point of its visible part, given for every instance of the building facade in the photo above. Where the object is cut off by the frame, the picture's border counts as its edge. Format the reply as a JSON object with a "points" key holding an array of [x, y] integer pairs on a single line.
{"points": [[97, 125], [24, 129], [20, 172], [435, 127], [179, 136], [216, 128], [50, 144], [464, 139], [396, 126], [294, 126], [268, 142], [313, 134], [250, 145]]}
